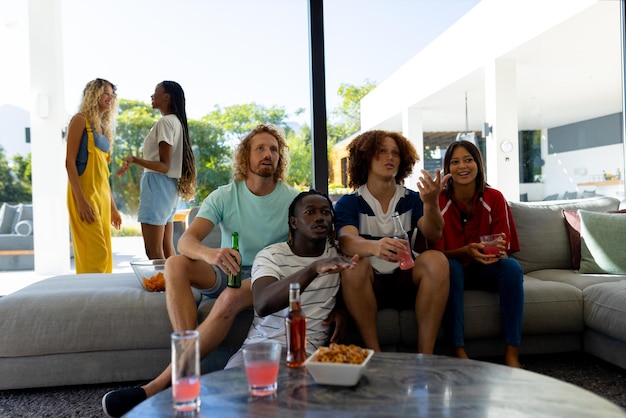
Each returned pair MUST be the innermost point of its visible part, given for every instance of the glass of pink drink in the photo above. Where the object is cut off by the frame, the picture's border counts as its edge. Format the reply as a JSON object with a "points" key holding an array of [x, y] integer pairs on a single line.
{"points": [[406, 259], [490, 243], [186, 372], [261, 362], [186, 389]]}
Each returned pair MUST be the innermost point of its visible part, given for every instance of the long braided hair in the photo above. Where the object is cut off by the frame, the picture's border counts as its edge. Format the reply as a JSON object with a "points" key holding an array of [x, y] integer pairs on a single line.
{"points": [[187, 181], [292, 207]]}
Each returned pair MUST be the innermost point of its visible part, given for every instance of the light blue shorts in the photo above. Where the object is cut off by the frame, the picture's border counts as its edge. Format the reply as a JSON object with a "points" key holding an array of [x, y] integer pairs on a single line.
{"points": [[158, 199], [221, 281]]}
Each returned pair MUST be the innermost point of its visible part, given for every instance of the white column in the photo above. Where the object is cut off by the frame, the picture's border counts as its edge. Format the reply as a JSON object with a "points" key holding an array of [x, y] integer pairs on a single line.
{"points": [[413, 129], [501, 113], [47, 118]]}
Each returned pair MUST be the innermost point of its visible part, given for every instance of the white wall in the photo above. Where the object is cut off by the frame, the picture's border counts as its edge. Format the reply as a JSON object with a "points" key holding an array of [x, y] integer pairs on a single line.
{"points": [[14, 81], [13, 121], [562, 172]]}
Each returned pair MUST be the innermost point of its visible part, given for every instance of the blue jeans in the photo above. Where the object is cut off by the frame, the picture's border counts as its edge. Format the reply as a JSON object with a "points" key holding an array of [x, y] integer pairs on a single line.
{"points": [[505, 277]]}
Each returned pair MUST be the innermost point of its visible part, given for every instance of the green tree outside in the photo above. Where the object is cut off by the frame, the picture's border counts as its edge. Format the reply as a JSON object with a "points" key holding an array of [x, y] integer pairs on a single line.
{"points": [[133, 124], [213, 139], [15, 182], [345, 119]]}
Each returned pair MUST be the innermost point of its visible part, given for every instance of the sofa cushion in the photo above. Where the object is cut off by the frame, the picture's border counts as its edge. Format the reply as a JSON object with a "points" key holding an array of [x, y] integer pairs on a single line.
{"points": [[549, 308], [602, 237], [574, 278], [83, 313], [24, 228], [24, 212], [605, 308], [537, 220], [572, 224], [7, 216]]}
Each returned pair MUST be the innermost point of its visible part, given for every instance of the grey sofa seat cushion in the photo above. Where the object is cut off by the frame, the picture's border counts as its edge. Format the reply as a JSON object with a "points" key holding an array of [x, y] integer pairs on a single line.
{"points": [[549, 308], [605, 308], [91, 312], [9, 242], [574, 278], [542, 232]]}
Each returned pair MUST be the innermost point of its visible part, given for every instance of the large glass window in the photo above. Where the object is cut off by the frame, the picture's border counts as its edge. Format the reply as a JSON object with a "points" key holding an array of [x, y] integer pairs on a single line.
{"points": [[550, 94]]}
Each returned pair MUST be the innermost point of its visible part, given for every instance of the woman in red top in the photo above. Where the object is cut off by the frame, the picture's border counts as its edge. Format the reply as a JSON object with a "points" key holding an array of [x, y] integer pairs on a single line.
{"points": [[472, 209]]}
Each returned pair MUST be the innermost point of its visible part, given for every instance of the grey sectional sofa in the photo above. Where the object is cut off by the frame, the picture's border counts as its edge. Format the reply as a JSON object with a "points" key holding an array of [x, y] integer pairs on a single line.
{"points": [[16, 237], [96, 328]]}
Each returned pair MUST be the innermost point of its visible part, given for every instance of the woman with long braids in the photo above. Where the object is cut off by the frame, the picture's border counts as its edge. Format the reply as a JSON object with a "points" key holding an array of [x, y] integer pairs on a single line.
{"points": [[90, 203], [169, 170]]}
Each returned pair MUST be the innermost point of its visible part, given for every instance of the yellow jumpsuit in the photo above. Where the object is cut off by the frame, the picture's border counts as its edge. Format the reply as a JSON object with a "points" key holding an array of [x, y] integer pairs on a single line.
{"points": [[92, 242]]}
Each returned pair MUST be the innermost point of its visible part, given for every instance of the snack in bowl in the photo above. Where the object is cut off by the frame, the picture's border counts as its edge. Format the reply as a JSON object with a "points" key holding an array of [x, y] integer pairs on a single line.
{"points": [[155, 283], [151, 274], [338, 364]]}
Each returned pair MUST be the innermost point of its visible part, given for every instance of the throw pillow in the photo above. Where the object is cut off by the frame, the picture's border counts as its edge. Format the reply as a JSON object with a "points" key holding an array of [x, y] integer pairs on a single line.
{"points": [[18, 215], [26, 212], [572, 224], [24, 228], [7, 216], [602, 236]]}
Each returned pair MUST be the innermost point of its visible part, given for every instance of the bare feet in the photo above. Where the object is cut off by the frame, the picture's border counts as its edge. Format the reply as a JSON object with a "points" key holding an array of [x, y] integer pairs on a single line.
{"points": [[460, 353], [510, 356]]}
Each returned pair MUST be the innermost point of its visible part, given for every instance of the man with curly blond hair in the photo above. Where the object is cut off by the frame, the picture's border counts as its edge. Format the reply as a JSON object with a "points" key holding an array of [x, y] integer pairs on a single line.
{"points": [[379, 162], [255, 205]]}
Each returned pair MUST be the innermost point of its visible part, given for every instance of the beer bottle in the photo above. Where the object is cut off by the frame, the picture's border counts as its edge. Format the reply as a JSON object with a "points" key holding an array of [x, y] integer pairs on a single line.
{"points": [[406, 260], [295, 327], [234, 280]]}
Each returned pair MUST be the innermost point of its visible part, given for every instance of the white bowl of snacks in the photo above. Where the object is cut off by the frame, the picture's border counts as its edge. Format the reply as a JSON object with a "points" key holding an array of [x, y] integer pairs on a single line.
{"points": [[338, 364]]}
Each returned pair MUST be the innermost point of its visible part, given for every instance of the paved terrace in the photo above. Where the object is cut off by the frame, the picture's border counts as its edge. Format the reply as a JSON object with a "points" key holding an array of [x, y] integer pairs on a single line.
{"points": [[125, 250]]}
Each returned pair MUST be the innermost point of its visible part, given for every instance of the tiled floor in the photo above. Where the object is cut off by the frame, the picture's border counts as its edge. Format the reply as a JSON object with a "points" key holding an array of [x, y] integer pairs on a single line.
{"points": [[125, 249]]}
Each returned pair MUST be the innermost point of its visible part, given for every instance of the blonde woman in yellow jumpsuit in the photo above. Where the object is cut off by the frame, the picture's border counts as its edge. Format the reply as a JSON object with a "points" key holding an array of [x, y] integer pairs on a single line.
{"points": [[90, 203]]}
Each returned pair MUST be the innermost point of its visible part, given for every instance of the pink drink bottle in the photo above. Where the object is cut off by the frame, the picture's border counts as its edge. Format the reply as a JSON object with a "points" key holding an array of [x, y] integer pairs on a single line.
{"points": [[406, 260]]}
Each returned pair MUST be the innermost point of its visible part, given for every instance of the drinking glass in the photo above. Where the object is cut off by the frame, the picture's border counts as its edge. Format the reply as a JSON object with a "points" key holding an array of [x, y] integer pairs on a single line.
{"points": [[491, 243], [186, 372], [261, 362]]}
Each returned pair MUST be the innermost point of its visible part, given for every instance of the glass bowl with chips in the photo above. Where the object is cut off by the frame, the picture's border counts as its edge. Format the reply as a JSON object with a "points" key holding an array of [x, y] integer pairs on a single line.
{"points": [[338, 364], [150, 273]]}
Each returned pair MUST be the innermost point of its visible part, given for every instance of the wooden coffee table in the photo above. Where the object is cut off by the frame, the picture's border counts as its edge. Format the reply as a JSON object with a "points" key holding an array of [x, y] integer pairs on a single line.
{"points": [[397, 385]]}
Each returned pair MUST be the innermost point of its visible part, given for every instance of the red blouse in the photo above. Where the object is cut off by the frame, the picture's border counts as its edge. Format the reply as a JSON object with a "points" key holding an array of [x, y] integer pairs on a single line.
{"points": [[491, 214]]}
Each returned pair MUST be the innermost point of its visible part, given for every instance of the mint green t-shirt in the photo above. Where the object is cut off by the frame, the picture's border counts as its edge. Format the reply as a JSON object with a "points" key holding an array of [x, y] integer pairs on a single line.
{"points": [[259, 220]]}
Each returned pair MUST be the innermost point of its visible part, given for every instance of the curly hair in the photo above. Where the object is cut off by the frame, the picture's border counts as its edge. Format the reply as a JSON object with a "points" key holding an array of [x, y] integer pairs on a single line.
{"points": [[187, 182], [363, 149], [241, 159], [481, 182], [103, 123], [292, 213]]}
